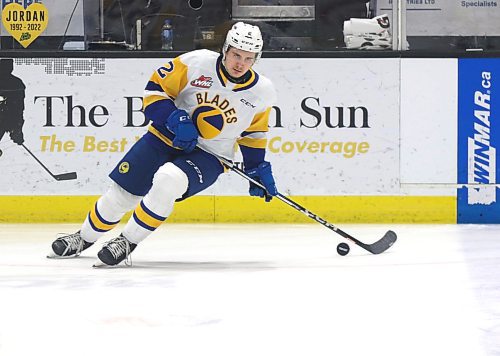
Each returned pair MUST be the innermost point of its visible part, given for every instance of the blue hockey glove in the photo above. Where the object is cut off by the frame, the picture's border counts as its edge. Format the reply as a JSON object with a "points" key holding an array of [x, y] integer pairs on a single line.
{"points": [[264, 175], [186, 134]]}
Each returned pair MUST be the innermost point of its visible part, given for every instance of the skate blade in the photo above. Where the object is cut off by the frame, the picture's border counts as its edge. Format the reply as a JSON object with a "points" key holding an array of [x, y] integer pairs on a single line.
{"points": [[100, 264], [53, 256]]}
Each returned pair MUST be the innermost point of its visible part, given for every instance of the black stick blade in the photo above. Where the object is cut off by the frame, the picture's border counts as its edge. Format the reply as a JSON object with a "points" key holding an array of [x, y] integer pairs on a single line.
{"points": [[65, 176], [384, 243]]}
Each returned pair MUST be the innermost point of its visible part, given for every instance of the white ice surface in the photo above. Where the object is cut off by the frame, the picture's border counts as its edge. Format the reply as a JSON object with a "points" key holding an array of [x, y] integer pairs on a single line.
{"points": [[255, 290]]}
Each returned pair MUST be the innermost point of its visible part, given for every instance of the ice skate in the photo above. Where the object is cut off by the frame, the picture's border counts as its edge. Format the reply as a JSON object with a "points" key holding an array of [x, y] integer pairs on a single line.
{"points": [[70, 245], [115, 251]]}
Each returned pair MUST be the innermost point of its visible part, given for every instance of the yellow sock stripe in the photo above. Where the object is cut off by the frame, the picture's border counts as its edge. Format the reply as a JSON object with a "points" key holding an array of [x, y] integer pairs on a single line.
{"points": [[98, 222], [145, 218]]}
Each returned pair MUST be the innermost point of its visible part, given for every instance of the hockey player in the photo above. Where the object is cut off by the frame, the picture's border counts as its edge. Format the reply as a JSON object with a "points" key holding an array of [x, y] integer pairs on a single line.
{"points": [[201, 98]]}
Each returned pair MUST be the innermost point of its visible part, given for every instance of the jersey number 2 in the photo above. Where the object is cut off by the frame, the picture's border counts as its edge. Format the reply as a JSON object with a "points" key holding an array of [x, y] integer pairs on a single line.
{"points": [[163, 71]]}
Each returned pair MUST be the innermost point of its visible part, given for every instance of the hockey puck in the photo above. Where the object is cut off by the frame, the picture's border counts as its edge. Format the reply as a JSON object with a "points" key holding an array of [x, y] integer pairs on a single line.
{"points": [[342, 249]]}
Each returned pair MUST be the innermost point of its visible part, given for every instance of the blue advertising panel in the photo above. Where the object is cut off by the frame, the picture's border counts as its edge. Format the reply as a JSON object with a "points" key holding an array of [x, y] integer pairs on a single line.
{"points": [[478, 141]]}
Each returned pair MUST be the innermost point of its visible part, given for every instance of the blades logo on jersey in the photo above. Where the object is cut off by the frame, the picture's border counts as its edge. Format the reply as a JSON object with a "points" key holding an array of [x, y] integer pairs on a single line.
{"points": [[202, 82], [208, 120], [223, 105]]}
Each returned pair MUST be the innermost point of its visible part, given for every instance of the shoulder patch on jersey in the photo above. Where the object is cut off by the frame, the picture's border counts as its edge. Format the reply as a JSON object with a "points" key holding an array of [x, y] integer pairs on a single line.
{"points": [[202, 82]]}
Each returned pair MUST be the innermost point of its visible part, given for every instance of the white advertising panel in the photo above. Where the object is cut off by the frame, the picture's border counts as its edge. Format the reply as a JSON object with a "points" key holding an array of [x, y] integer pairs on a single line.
{"points": [[334, 131], [448, 17], [339, 126], [429, 106]]}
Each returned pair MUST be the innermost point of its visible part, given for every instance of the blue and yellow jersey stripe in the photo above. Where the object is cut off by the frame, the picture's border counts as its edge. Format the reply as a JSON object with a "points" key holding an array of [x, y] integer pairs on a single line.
{"points": [[166, 82], [253, 140], [260, 122], [164, 136], [255, 137], [254, 78], [220, 73]]}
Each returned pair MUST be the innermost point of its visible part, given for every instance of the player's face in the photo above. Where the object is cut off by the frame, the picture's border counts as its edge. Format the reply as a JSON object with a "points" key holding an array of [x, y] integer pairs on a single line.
{"points": [[238, 62]]}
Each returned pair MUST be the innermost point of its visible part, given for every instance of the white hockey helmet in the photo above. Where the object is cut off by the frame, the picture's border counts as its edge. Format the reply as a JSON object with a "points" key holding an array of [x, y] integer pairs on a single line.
{"points": [[245, 37]]}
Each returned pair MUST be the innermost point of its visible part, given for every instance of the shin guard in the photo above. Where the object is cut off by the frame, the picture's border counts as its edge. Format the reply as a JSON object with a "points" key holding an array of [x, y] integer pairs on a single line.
{"points": [[107, 212], [169, 184]]}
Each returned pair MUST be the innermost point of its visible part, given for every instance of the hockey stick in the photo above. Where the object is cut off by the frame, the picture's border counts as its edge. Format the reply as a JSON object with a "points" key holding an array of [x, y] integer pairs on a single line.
{"points": [[62, 176], [375, 248]]}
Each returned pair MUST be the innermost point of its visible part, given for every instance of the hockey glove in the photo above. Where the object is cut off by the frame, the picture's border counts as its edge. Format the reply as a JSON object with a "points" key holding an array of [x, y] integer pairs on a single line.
{"points": [[186, 134], [264, 175]]}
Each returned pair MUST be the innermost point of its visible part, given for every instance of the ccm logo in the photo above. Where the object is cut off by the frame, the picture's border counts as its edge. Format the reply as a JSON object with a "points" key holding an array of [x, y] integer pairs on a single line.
{"points": [[247, 103]]}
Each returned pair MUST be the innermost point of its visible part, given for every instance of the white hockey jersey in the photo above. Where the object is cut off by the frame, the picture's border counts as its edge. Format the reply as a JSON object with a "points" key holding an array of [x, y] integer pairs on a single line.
{"points": [[224, 113]]}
